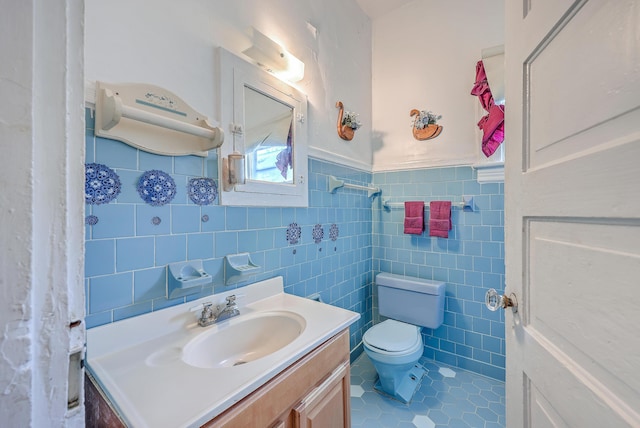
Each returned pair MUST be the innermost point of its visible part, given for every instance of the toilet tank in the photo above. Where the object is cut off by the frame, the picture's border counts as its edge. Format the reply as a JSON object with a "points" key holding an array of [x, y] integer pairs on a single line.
{"points": [[412, 300]]}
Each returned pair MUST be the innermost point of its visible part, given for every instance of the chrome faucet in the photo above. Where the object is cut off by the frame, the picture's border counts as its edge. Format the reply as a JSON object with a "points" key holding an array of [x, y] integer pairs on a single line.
{"points": [[220, 313]]}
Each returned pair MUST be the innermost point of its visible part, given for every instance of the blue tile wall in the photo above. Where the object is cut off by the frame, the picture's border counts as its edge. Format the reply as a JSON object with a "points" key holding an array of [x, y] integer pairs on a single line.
{"points": [[126, 253], [470, 261]]}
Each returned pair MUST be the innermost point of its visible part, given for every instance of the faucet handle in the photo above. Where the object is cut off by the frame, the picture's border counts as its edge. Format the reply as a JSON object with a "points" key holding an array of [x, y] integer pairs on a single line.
{"points": [[200, 307], [206, 309], [231, 300]]}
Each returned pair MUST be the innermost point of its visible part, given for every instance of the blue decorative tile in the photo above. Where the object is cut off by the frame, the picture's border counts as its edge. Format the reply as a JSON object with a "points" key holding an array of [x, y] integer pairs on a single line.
{"points": [[317, 233], [202, 191], [156, 187], [102, 184], [293, 234]]}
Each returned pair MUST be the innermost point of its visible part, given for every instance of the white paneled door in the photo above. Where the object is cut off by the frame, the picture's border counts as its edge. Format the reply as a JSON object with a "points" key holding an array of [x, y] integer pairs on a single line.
{"points": [[573, 213]]}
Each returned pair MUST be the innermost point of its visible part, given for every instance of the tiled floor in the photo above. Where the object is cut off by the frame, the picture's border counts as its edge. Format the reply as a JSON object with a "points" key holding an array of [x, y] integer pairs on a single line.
{"points": [[448, 397]]}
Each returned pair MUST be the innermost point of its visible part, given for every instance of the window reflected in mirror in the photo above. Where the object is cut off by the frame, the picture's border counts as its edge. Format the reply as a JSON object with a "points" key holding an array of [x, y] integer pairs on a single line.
{"points": [[268, 138]]}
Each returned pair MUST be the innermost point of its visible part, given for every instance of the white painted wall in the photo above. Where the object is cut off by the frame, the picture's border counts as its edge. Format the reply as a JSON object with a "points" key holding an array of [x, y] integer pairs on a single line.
{"points": [[171, 44], [41, 210], [424, 57]]}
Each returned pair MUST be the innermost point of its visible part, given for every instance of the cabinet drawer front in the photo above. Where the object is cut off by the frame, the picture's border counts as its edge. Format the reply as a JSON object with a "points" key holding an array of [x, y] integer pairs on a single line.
{"points": [[276, 398]]}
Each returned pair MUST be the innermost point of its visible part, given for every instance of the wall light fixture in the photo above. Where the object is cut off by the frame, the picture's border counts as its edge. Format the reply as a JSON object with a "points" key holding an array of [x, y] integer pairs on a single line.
{"points": [[274, 58]]}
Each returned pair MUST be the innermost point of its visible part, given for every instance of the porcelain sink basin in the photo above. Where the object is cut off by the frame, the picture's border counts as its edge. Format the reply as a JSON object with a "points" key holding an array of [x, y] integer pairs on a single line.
{"points": [[243, 341], [133, 360]]}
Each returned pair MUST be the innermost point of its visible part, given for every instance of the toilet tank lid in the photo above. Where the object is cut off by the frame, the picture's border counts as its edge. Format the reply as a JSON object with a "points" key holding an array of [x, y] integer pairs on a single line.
{"points": [[410, 283]]}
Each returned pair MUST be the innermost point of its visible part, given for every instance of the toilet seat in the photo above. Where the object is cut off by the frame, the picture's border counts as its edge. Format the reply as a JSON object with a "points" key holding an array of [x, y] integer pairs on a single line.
{"points": [[393, 337]]}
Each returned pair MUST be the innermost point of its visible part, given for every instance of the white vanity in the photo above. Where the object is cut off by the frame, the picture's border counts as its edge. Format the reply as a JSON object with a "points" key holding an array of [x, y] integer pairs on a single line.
{"points": [[284, 361]]}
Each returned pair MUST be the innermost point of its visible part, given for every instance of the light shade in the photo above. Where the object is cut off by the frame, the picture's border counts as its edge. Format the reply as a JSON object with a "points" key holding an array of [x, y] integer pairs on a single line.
{"points": [[274, 58]]}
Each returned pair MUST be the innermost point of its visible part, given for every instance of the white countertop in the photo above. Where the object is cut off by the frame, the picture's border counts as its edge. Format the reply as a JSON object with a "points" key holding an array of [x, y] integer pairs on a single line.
{"points": [[138, 361]]}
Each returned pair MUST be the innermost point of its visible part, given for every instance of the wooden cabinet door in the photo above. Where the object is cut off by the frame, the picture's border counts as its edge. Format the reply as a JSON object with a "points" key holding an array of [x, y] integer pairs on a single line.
{"points": [[328, 405]]}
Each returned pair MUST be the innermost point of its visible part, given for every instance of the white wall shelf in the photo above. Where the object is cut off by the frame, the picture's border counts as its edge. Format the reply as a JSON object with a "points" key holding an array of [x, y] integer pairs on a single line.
{"points": [[153, 119]]}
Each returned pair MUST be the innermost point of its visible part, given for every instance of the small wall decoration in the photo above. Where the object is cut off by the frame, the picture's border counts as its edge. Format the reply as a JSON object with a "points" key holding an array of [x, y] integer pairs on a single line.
{"points": [[91, 220], [334, 232], [293, 233], [317, 233], [424, 125], [156, 188], [347, 124], [202, 191], [101, 184], [156, 221], [205, 218]]}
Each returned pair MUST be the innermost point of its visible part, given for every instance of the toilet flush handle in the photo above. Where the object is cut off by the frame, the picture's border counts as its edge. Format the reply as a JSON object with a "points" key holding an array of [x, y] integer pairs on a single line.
{"points": [[494, 301]]}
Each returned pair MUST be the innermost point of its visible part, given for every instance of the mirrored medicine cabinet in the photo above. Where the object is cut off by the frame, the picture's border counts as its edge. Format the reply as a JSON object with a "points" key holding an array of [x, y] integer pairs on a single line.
{"points": [[263, 161]]}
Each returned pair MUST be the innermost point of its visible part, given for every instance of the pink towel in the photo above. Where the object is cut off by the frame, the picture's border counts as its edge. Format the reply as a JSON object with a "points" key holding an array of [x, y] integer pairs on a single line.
{"points": [[414, 217], [492, 124], [440, 218]]}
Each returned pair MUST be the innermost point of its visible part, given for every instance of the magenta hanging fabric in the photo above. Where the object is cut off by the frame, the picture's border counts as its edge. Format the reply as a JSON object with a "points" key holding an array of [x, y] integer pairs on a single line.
{"points": [[492, 124], [283, 159]]}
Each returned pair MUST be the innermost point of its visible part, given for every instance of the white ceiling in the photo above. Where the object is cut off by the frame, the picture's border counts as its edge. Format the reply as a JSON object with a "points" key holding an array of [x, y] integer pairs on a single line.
{"points": [[377, 8]]}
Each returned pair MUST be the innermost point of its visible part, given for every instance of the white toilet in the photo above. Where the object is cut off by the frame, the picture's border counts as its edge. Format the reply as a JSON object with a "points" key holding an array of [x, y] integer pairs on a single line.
{"points": [[395, 345]]}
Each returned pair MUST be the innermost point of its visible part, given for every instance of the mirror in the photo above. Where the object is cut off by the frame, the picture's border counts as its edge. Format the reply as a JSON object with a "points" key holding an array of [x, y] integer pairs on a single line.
{"points": [[268, 144], [267, 141]]}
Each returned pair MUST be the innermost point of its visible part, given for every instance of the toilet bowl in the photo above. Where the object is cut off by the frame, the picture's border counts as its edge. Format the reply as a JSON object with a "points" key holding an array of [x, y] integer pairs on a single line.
{"points": [[395, 348], [395, 345]]}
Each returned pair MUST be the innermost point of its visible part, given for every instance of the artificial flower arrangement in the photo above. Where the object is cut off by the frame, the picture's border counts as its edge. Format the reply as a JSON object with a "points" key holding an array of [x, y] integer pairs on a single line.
{"points": [[351, 120], [425, 125], [348, 123]]}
